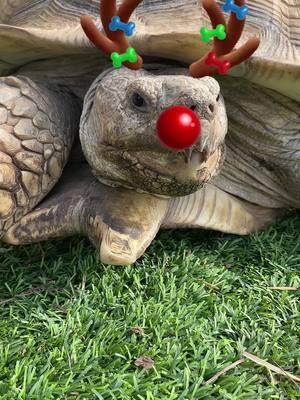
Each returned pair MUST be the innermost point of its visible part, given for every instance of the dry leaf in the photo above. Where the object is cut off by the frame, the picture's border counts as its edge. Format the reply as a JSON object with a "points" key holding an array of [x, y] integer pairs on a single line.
{"points": [[145, 362], [137, 330]]}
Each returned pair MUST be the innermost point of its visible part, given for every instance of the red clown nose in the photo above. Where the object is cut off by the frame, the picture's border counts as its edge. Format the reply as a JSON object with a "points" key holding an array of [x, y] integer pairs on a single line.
{"points": [[178, 128]]}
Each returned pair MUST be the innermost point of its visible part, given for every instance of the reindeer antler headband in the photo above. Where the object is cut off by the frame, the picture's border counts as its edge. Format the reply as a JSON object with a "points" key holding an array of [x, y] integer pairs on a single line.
{"points": [[114, 41], [116, 23]]}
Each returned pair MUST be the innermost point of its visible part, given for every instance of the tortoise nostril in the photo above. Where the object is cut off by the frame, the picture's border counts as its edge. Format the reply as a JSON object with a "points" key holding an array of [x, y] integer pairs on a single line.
{"points": [[211, 108], [193, 107]]}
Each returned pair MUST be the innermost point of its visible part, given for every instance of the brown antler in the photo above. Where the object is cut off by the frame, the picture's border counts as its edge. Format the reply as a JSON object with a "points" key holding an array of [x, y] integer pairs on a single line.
{"points": [[113, 41], [234, 29]]}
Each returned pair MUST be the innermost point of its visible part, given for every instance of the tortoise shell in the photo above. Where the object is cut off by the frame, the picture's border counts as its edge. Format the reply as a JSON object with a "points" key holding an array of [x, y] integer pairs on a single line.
{"points": [[44, 30]]}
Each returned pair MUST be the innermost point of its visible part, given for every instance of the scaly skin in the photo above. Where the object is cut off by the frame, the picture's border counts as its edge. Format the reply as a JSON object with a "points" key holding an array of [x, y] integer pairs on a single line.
{"points": [[38, 123]]}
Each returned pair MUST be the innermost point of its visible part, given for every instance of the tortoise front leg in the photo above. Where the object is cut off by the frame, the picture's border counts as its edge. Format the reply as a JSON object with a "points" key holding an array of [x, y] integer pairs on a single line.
{"points": [[120, 223]]}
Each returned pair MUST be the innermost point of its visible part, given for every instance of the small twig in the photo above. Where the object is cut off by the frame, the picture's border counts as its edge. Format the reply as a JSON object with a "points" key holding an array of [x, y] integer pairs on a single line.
{"points": [[28, 292], [224, 371], [277, 370], [283, 288], [209, 285]]}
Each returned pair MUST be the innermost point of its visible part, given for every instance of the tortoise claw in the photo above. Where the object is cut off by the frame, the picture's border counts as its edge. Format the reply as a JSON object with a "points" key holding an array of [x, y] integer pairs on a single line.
{"points": [[119, 249]]}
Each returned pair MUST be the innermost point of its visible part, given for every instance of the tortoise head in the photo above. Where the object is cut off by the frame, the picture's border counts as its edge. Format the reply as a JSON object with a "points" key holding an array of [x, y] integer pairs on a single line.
{"points": [[118, 131]]}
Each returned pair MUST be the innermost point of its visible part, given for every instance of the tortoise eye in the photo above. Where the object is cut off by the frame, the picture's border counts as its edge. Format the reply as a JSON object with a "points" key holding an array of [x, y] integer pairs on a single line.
{"points": [[138, 101], [218, 97]]}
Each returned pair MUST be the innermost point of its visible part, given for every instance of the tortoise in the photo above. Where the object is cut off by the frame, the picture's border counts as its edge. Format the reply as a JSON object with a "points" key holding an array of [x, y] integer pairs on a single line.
{"points": [[78, 150]]}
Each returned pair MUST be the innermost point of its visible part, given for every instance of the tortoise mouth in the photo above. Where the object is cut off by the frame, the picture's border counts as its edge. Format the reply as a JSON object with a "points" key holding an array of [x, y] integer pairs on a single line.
{"points": [[166, 174], [171, 165]]}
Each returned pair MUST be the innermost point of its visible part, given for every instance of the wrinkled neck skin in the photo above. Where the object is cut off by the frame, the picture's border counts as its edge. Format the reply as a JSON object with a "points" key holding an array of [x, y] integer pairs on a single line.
{"points": [[262, 162]]}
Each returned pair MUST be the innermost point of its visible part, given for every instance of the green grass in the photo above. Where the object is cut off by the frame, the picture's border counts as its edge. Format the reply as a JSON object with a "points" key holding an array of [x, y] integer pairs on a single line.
{"points": [[202, 299]]}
